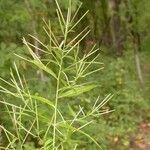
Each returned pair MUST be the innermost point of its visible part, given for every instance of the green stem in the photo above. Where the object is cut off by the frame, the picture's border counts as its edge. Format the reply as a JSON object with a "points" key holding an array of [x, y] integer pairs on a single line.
{"points": [[56, 102], [58, 78]]}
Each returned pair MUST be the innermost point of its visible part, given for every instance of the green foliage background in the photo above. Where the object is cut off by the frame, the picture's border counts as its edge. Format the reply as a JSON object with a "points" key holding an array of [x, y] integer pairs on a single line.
{"points": [[130, 101]]}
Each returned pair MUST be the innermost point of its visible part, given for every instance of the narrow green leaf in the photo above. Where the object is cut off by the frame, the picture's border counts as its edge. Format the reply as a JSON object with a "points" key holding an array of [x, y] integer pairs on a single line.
{"points": [[77, 90], [71, 111], [41, 99], [43, 67]]}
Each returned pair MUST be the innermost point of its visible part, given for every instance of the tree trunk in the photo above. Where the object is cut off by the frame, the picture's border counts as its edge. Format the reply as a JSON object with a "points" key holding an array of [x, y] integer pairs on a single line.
{"points": [[133, 29], [115, 26], [105, 35], [136, 42], [35, 34]]}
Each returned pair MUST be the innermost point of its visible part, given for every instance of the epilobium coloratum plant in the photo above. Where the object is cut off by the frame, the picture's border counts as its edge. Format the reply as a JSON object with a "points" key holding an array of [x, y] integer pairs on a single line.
{"points": [[67, 68]]}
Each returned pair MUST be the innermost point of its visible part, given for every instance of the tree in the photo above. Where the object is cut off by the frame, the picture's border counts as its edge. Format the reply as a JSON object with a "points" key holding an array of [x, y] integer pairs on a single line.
{"points": [[115, 26], [132, 19]]}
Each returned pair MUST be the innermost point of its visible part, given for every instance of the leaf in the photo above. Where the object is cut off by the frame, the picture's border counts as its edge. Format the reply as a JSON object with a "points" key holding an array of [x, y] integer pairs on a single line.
{"points": [[43, 67], [41, 99], [78, 90], [71, 111]]}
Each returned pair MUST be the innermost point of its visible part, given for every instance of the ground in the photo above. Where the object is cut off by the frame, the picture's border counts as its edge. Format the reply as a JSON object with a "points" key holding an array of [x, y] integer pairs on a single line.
{"points": [[141, 139]]}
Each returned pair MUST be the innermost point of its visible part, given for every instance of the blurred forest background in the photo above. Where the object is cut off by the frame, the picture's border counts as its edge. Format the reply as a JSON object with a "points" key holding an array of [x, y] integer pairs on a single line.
{"points": [[121, 30]]}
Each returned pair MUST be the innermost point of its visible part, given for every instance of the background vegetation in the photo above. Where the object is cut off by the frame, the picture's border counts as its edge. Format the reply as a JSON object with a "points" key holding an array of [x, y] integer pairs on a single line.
{"points": [[120, 29]]}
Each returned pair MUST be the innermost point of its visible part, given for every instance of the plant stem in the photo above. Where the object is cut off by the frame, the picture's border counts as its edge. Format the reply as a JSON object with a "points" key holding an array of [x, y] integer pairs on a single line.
{"points": [[56, 102], [59, 73]]}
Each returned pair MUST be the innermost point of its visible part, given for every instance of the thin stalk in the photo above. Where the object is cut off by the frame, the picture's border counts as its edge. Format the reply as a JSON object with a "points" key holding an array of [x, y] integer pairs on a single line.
{"points": [[59, 73], [56, 102]]}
